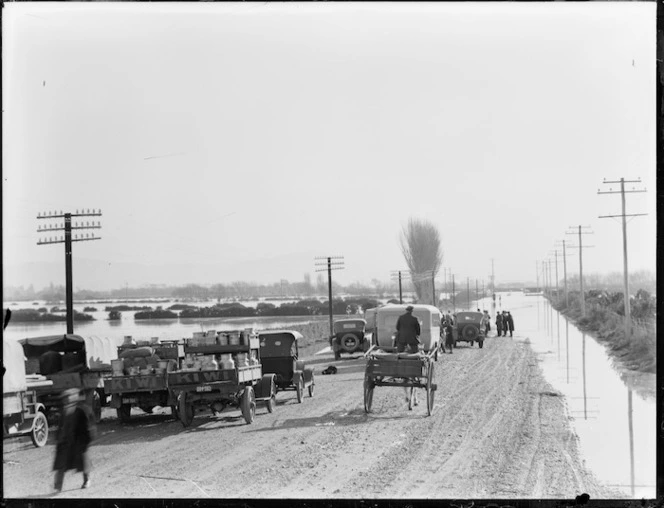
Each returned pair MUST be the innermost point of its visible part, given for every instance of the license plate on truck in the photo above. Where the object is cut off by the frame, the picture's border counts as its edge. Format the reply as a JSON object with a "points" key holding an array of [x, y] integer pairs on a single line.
{"points": [[129, 400], [204, 388]]}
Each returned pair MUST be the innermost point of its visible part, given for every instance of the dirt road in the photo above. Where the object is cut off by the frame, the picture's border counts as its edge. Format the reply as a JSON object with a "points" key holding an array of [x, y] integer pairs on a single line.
{"points": [[498, 431]]}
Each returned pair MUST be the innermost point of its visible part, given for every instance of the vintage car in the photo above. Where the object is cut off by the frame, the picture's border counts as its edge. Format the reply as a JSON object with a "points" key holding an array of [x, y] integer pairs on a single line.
{"points": [[349, 337], [22, 414], [384, 327], [279, 356], [469, 327]]}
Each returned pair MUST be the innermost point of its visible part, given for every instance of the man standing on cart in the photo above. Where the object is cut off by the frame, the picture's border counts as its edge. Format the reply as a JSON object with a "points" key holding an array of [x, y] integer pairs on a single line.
{"points": [[407, 339]]}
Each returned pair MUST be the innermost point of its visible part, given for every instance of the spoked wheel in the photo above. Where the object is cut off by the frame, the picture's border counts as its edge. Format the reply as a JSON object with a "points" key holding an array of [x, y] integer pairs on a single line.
{"points": [[39, 434], [248, 404], [368, 393], [300, 389], [124, 413], [311, 386], [430, 390], [185, 410]]}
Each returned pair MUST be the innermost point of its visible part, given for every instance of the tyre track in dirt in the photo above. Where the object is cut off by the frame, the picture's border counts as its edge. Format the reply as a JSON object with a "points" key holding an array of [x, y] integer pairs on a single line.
{"points": [[493, 433]]}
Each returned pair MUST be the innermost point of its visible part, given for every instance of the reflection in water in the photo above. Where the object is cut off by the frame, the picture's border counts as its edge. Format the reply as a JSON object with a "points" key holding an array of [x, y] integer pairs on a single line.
{"points": [[630, 425], [583, 360], [558, 332], [567, 348]]}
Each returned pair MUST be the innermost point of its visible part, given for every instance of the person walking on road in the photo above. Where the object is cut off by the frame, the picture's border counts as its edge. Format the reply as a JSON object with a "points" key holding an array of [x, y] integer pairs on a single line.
{"points": [[510, 323], [499, 324], [487, 323], [408, 337], [75, 433]]}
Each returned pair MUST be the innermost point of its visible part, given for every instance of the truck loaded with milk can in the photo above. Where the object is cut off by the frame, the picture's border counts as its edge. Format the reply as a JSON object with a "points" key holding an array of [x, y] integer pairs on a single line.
{"points": [[220, 371], [139, 377]]}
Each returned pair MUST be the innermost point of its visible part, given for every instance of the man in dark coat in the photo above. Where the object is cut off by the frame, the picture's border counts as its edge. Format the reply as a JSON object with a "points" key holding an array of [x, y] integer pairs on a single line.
{"points": [[510, 323], [408, 331], [499, 323], [75, 433]]}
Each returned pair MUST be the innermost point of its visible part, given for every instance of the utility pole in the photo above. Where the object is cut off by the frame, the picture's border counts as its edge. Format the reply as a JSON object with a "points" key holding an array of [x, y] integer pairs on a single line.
{"points": [[536, 276], [555, 253], [624, 215], [330, 263], [581, 231], [565, 273], [67, 240], [468, 291], [395, 274], [453, 295], [493, 279], [477, 291]]}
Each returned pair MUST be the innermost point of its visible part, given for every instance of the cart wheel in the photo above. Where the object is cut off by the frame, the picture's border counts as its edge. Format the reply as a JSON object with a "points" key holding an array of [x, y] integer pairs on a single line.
{"points": [[185, 410], [300, 389], [39, 432], [124, 413], [311, 386], [96, 406], [248, 404], [411, 398], [430, 390], [368, 393]]}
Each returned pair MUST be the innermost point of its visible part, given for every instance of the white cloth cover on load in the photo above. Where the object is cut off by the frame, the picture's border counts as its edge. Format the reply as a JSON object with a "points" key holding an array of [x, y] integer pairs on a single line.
{"points": [[13, 360]]}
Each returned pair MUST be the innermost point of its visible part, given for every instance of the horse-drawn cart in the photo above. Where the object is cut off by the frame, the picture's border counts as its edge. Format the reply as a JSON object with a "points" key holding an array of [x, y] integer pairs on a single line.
{"points": [[236, 380], [386, 367]]}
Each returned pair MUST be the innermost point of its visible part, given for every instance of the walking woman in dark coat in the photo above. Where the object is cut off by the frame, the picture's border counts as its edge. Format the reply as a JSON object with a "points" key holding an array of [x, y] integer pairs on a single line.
{"points": [[499, 323], [75, 433]]}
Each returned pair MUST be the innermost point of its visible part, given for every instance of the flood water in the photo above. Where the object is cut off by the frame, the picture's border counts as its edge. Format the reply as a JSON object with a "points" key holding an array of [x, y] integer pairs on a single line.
{"points": [[612, 411], [144, 329]]}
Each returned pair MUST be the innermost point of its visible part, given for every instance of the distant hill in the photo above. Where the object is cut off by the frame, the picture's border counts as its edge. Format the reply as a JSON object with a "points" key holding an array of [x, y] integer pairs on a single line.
{"points": [[99, 275]]}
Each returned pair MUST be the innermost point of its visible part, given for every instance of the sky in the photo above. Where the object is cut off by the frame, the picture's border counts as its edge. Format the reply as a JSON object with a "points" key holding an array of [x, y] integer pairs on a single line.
{"points": [[237, 141]]}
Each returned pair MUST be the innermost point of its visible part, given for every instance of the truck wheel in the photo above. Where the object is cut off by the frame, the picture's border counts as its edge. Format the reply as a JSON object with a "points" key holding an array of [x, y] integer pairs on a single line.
{"points": [[185, 410], [248, 404], [271, 403], [300, 389], [39, 433], [311, 386], [124, 413], [368, 393]]}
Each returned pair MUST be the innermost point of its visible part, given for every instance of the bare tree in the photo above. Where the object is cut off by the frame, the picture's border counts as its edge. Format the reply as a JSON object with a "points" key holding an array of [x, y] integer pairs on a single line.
{"points": [[420, 245]]}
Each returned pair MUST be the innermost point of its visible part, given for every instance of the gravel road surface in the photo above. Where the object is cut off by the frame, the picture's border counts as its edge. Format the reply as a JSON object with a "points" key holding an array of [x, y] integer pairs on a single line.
{"points": [[498, 431]]}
